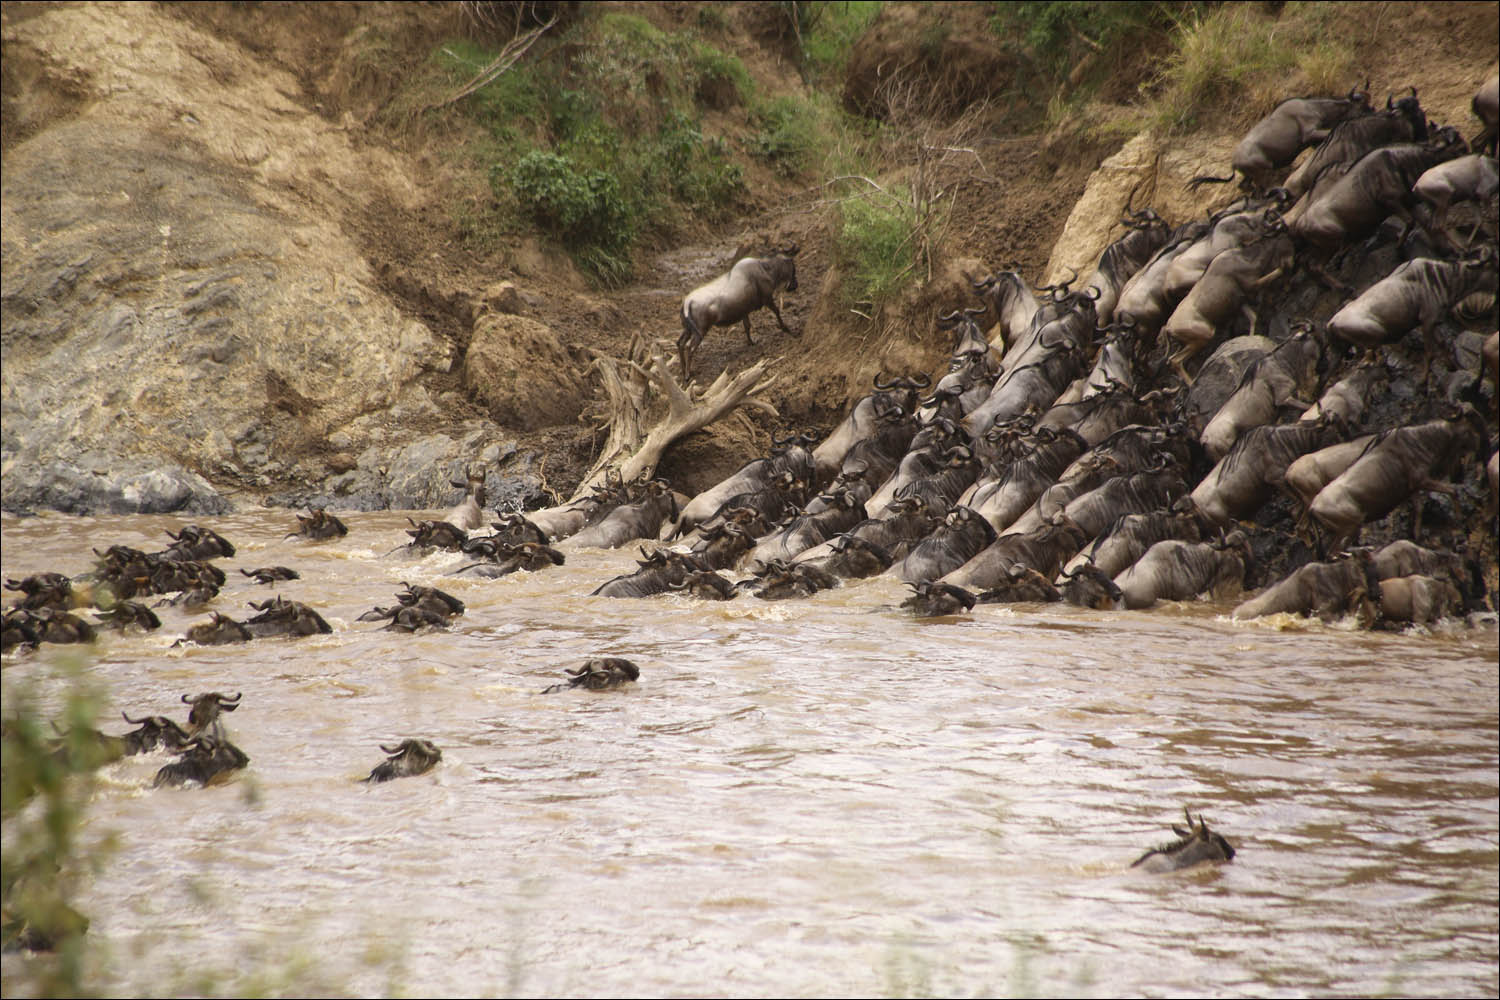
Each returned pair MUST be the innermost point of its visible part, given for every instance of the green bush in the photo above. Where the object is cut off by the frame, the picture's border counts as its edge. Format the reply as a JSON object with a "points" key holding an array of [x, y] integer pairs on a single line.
{"points": [[789, 135], [583, 208], [875, 247], [828, 32], [42, 851]]}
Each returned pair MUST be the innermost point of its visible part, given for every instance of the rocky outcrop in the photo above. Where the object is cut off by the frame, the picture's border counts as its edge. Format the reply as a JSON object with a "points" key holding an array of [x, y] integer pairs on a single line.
{"points": [[1147, 172], [181, 303], [519, 370]]}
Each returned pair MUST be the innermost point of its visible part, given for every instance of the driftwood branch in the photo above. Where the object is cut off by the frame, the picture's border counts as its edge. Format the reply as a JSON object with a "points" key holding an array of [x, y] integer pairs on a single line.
{"points": [[508, 57], [648, 409]]}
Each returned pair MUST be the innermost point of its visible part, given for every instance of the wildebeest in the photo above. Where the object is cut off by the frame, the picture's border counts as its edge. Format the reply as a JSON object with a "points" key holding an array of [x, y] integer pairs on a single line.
{"points": [[514, 528], [1220, 375], [806, 530], [1147, 233], [507, 558], [1418, 293], [1180, 571], [469, 514], [279, 616], [203, 717], [195, 542], [1223, 292], [1347, 397], [1143, 299], [788, 456], [1467, 178], [89, 748], [1020, 584], [962, 536], [781, 581], [1276, 381], [428, 535], [1088, 586], [154, 731], [1486, 105], [1404, 557], [1395, 465], [1308, 475], [1245, 479], [883, 415], [271, 574], [930, 599], [420, 598], [44, 590], [1015, 307], [218, 631], [1380, 184], [1419, 600], [205, 759], [751, 284], [1295, 124], [599, 673], [1194, 845], [129, 614], [1144, 491], [319, 525], [1242, 223], [706, 585], [406, 759], [639, 518], [1352, 138], [1042, 549], [1129, 538], [1325, 589], [1006, 497], [853, 557], [657, 573]]}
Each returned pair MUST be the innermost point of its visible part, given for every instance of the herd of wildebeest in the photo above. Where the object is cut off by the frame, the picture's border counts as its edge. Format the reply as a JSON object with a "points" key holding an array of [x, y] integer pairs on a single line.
{"points": [[1079, 447]]}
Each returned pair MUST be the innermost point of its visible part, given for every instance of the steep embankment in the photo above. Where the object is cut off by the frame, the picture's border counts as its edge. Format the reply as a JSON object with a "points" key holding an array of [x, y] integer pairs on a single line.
{"points": [[224, 281]]}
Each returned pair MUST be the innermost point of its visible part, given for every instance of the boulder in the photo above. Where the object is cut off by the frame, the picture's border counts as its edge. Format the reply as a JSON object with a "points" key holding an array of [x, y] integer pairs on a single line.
{"points": [[518, 369]]}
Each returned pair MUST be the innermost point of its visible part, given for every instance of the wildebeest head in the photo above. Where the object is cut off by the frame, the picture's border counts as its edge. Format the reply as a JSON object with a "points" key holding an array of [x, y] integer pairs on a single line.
{"points": [[203, 759], [406, 759], [1194, 845], [204, 714], [155, 731]]}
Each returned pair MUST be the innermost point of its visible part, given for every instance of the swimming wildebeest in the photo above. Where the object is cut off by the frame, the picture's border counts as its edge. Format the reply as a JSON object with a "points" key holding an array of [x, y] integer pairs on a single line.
{"points": [[1193, 846]]}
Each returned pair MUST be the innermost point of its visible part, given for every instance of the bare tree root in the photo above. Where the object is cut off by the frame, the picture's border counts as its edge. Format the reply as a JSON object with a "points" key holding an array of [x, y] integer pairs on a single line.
{"points": [[641, 428]]}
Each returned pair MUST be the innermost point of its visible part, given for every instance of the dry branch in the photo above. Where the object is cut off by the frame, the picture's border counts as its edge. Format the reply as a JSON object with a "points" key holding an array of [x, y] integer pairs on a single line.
{"points": [[508, 57], [648, 409]]}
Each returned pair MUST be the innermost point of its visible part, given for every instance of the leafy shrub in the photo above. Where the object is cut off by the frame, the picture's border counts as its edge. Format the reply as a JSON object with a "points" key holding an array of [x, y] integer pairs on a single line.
{"points": [[581, 207], [788, 136], [42, 850], [875, 247], [720, 80]]}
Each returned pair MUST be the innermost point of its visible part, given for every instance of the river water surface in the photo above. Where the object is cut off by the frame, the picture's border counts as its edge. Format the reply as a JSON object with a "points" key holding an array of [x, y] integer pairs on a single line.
{"points": [[798, 798]]}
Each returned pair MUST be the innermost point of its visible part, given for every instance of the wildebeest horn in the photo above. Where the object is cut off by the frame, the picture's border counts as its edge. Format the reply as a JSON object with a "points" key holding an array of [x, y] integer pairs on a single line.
{"points": [[135, 722], [391, 750]]}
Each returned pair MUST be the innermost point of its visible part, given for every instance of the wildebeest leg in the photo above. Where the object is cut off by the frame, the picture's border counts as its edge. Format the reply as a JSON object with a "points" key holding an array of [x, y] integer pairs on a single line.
{"points": [[687, 344], [749, 339], [777, 313], [1320, 274]]}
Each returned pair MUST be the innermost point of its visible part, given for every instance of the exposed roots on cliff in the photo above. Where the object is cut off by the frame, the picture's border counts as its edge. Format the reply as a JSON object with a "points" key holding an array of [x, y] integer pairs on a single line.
{"points": [[637, 394]]}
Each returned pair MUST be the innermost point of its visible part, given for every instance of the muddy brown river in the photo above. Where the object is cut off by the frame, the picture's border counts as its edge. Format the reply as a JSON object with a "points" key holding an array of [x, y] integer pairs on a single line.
{"points": [[805, 798]]}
